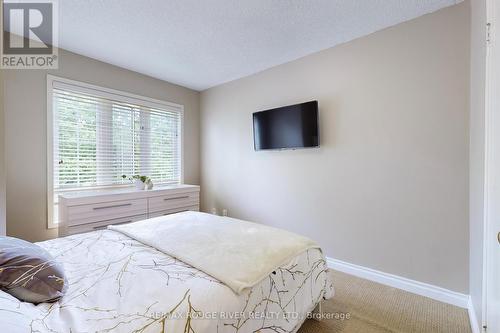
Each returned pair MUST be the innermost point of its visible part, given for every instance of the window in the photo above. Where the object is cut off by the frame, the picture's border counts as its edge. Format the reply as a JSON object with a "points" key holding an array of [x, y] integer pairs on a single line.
{"points": [[97, 135]]}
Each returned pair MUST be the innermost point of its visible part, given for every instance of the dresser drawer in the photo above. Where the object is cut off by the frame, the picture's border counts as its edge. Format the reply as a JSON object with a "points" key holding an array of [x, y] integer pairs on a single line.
{"points": [[174, 210], [84, 214], [77, 229], [173, 201]]}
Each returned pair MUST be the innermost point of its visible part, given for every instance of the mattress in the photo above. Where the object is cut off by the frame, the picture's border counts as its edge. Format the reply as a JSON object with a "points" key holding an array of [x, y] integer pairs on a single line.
{"points": [[117, 284]]}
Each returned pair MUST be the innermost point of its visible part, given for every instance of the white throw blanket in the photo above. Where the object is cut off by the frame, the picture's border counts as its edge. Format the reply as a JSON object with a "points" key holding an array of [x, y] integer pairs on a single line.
{"points": [[238, 253]]}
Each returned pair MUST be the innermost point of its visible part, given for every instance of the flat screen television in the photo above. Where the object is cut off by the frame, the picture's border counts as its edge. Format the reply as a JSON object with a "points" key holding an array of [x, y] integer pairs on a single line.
{"points": [[287, 127]]}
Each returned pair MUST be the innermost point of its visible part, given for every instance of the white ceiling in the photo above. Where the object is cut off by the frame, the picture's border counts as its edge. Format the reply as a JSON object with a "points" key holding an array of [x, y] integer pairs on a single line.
{"points": [[203, 43]]}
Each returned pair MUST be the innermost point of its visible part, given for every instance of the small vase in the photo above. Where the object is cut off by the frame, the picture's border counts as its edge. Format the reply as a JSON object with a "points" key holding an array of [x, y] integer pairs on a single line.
{"points": [[139, 184], [149, 184]]}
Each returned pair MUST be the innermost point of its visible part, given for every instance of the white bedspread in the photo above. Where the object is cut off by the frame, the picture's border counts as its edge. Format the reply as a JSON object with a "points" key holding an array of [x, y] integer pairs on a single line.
{"points": [[238, 253], [119, 285]]}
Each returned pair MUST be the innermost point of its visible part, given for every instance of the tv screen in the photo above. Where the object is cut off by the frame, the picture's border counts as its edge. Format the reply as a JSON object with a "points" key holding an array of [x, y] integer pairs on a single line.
{"points": [[287, 127]]}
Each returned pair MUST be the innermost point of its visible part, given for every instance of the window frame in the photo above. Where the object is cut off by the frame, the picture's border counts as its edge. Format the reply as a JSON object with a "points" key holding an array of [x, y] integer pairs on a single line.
{"points": [[146, 101]]}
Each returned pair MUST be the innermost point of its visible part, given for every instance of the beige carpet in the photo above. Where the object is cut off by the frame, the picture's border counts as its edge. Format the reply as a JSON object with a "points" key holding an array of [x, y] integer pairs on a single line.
{"points": [[380, 309]]}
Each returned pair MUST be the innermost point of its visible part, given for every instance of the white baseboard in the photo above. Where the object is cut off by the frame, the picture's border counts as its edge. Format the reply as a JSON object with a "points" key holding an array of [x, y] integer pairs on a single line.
{"points": [[473, 318], [416, 287]]}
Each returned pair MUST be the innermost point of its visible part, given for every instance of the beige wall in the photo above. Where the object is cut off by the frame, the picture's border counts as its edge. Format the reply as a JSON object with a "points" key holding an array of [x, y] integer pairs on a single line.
{"points": [[2, 157], [477, 137], [25, 133], [2, 160], [388, 189]]}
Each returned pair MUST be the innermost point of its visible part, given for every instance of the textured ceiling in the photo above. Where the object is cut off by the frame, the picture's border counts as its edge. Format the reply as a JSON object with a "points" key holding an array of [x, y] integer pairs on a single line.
{"points": [[203, 43]]}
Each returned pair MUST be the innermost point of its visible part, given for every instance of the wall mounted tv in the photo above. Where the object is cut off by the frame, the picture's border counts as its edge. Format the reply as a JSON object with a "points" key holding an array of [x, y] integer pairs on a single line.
{"points": [[287, 127]]}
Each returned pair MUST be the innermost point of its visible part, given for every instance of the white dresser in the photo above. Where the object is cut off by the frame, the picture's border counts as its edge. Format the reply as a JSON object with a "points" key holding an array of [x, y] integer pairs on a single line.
{"points": [[92, 210]]}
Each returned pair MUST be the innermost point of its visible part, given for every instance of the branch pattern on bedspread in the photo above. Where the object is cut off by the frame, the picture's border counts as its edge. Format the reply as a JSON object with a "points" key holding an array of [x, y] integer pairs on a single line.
{"points": [[117, 284]]}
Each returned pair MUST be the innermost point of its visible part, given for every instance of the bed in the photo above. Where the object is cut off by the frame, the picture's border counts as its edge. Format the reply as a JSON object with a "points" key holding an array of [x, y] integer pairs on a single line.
{"points": [[119, 284]]}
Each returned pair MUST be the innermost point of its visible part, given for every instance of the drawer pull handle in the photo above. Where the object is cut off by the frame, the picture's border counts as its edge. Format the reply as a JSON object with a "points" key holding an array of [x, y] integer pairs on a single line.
{"points": [[180, 211], [105, 226], [114, 206], [184, 197]]}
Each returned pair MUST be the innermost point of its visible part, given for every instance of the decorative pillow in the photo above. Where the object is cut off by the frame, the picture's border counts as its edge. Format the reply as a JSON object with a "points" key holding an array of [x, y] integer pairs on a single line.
{"points": [[29, 272]]}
